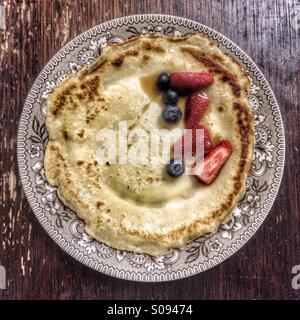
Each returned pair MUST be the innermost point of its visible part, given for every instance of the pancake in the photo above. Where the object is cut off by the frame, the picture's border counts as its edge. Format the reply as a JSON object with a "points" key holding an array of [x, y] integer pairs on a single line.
{"points": [[138, 207]]}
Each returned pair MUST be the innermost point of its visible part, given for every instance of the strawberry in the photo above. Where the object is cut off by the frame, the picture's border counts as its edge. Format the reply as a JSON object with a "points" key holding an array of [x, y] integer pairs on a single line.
{"points": [[185, 82], [195, 107], [187, 142], [208, 169]]}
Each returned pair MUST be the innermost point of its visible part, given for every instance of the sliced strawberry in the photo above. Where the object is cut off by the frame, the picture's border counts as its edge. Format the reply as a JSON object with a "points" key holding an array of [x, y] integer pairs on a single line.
{"points": [[195, 107], [208, 169], [207, 140], [186, 82], [187, 142]]}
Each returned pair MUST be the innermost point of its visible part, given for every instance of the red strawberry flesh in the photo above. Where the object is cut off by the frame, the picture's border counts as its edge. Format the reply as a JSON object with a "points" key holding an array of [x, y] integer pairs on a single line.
{"points": [[208, 169], [195, 107], [186, 82], [187, 143]]}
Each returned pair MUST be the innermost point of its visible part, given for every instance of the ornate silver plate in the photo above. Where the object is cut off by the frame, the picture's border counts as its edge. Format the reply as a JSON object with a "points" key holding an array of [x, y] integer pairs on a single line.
{"points": [[68, 231]]}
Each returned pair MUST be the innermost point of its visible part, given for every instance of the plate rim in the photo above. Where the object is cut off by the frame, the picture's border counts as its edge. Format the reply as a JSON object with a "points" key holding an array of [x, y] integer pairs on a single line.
{"points": [[133, 275]]}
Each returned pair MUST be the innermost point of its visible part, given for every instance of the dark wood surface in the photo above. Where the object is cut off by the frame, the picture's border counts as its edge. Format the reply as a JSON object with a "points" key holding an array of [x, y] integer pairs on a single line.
{"points": [[36, 268]]}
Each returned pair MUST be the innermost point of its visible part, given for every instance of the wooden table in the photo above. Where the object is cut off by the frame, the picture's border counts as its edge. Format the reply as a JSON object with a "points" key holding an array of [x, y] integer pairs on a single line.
{"points": [[34, 30]]}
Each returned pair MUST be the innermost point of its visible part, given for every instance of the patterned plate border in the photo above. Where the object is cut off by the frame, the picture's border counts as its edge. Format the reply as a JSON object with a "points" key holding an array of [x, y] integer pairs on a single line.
{"points": [[151, 24]]}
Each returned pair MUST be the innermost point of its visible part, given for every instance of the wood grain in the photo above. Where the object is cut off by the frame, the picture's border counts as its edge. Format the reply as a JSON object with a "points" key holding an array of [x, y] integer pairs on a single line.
{"points": [[36, 268]]}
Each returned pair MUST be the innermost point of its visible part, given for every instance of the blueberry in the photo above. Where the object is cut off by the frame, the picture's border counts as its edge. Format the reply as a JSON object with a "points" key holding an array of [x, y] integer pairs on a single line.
{"points": [[171, 96], [171, 113], [163, 81], [176, 167]]}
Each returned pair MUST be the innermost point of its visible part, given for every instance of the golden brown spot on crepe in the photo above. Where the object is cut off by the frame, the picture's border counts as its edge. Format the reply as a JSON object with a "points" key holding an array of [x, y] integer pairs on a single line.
{"points": [[118, 62], [147, 46], [65, 134], [56, 173], [92, 113], [244, 120], [215, 68], [80, 162], [61, 98], [90, 117], [92, 86], [178, 39], [146, 57], [60, 157], [99, 204], [89, 88], [217, 58], [149, 179], [80, 133], [59, 103], [104, 108], [88, 168], [69, 90], [155, 48], [221, 108]]}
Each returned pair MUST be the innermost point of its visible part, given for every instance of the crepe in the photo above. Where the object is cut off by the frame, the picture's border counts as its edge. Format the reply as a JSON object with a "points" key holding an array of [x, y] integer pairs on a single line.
{"points": [[139, 207]]}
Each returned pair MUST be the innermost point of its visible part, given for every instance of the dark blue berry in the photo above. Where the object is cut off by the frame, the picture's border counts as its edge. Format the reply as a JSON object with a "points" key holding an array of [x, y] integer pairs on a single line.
{"points": [[171, 97], [163, 81], [176, 167], [171, 113]]}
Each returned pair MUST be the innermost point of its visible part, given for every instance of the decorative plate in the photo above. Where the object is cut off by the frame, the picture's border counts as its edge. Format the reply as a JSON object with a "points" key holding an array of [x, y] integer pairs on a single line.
{"points": [[68, 231]]}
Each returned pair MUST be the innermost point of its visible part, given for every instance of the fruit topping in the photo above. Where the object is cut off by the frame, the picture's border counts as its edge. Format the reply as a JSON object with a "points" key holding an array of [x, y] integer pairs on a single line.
{"points": [[163, 81], [176, 167], [171, 97], [208, 169], [186, 82], [187, 144], [171, 113], [195, 107]]}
